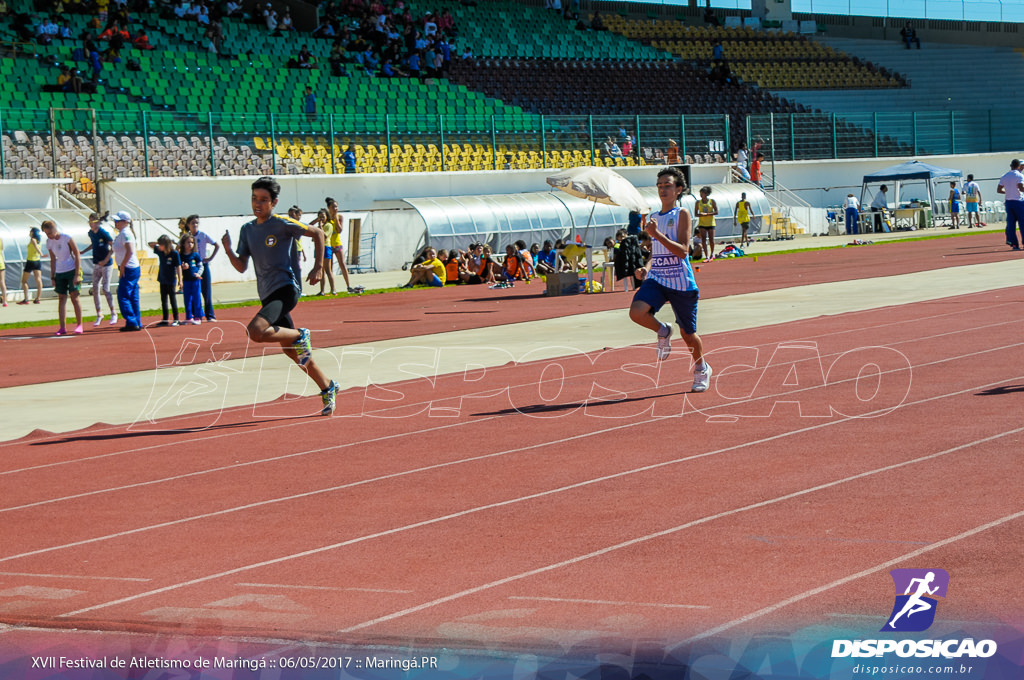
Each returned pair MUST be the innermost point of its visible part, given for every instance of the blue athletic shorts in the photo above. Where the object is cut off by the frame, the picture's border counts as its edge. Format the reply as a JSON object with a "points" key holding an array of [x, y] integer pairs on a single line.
{"points": [[435, 280], [972, 206], [954, 207], [328, 251], [683, 302]]}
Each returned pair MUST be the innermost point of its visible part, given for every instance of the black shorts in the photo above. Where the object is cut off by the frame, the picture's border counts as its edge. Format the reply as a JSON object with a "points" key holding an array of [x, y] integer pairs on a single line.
{"points": [[33, 266], [277, 306]]}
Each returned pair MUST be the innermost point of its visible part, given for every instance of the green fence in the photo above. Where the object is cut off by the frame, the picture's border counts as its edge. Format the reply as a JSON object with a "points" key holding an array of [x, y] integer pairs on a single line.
{"points": [[86, 145]]}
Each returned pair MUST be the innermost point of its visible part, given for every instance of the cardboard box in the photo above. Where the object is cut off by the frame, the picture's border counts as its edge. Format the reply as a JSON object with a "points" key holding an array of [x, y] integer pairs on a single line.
{"points": [[563, 283]]}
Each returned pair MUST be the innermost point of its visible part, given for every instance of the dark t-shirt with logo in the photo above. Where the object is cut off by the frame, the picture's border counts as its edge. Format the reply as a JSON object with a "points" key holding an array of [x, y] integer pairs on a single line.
{"points": [[271, 246]]}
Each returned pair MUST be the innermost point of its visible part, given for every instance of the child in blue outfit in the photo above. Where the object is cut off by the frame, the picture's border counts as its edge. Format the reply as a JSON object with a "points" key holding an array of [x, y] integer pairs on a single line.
{"points": [[168, 276], [191, 279]]}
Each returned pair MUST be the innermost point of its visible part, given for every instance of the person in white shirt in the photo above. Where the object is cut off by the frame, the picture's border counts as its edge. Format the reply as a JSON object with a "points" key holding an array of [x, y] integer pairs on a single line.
{"points": [[129, 272], [879, 205], [65, 268], [203, 240], [972, 199], [852, 207], [1011, 185]]}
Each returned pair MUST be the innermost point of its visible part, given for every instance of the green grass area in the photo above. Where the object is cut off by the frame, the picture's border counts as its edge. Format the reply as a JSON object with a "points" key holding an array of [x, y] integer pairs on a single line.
{"points": [[88, 319]]}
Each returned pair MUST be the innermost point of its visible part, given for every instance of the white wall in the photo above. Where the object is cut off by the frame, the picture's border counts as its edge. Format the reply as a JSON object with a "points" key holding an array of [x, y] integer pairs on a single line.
{"points": [[399, 229], [30, 194]]}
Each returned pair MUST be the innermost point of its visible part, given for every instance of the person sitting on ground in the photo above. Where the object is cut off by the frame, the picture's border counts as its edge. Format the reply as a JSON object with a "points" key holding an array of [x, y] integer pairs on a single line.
{"points": [[514, 267], [524, 253], [547, 259], [430, 272], [455, 268], [486, 267]]}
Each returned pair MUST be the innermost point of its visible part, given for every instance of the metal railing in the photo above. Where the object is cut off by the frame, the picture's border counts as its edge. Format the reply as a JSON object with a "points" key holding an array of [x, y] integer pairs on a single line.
{"points": [[64, 144]]}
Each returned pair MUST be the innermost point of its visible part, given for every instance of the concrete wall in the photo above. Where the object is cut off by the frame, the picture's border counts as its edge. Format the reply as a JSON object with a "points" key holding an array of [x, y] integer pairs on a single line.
{"points": [[400, 231]]}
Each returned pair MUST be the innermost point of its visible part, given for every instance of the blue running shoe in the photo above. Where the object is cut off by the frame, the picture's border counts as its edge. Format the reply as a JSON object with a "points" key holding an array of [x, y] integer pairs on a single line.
{"points": [[303, 347], [328, 396]]}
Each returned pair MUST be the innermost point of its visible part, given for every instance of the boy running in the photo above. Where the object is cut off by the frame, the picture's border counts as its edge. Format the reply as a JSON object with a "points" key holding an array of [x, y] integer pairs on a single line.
{"points": [[668, 277], [268, 241]]}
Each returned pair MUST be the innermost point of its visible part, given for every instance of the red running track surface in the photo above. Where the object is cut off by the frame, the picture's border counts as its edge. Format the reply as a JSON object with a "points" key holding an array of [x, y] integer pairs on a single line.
{"points": [[425, 311], [594, 498]]}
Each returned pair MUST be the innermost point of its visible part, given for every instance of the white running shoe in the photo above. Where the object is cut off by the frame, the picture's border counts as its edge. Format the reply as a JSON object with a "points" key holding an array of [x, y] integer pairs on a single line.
{"points": [[113, 319], [99, 320], [665, 345], [702, 379]]}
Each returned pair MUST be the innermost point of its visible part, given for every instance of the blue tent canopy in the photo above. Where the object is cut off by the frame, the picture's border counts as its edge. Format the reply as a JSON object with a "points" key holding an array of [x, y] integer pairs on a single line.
{"points": [[912, 170]]}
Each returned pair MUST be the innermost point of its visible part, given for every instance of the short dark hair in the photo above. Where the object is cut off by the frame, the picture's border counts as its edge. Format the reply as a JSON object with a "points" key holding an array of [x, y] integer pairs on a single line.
{"points": [[970, 178], [1015, 163], [677, 176], [268, 184]]}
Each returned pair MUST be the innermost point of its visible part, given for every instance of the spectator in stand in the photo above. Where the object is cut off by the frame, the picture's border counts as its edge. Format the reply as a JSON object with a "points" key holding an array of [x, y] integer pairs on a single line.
{"points": [[286, 21], [64, 31], [305, 59], [597, 22], [270, 20], [233, 9], [430, 272], [348, 158], [717, 51], [755, 170], [141, 41], [1011, 185], [309, 104], [709, 15], [672, 153], [851, 206], [429, 25], [627, 146], [611, 149], [909, 35]]}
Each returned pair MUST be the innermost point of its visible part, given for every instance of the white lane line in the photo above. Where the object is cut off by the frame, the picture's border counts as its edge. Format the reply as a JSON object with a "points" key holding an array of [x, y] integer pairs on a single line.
{"points": [[248, 408], [771, 609], [614, 603], [76, 577], [704, 520], [498, 454], [550, 492], [288, 586], [417, 432]]}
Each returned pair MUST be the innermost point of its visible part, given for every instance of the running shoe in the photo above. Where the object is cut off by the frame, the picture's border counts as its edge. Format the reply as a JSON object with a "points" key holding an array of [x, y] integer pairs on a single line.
{"points": [[356, 290], [664, 344], [99, 320], [61, 331], [165, 322], [327, 396], [303, 347], [78, 330], [175, 323], [701, 379], [113, 319]]}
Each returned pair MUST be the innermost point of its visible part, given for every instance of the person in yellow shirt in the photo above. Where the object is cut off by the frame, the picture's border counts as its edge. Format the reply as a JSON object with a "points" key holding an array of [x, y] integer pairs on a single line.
{"points": [[706, 210], [33, 265], [430, 272]]}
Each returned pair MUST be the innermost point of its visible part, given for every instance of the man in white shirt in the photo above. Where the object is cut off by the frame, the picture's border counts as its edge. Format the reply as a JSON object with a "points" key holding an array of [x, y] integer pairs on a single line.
{"points": [[879, 205], [852, 207], [1011, 185], [972, 201], [65, 265]]}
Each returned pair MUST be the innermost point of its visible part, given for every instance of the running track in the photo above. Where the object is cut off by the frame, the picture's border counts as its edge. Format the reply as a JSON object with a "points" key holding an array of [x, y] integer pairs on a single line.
{"points": [[593, 498]]}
